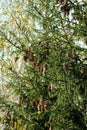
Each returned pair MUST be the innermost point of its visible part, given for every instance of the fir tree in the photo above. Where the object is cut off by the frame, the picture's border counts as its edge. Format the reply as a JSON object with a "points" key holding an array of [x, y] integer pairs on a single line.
{"points": [[43, 66]]}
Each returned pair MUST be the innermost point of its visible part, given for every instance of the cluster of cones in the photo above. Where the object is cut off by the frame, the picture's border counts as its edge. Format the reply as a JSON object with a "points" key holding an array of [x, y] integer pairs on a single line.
{"points": [[41, 105], [65, 6]]}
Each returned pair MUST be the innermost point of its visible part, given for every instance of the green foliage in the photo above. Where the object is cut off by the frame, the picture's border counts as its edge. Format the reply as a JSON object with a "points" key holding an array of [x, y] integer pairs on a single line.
{"points": [[43, 66]]}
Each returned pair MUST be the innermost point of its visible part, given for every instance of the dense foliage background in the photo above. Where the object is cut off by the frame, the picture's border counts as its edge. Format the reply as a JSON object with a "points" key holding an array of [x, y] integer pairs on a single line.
{"points": [[43, 62]]}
